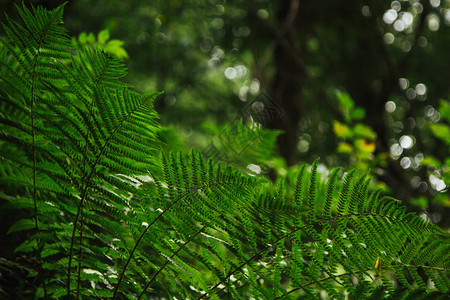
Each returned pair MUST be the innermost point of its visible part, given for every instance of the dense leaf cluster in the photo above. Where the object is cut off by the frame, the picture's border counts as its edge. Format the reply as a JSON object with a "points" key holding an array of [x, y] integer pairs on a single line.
{"points": [[109, 215]]}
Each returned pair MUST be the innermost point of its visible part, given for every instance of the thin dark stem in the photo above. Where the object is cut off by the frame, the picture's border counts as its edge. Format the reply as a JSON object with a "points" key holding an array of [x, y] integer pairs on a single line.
{"points": [[84, 163], [317, 281], [168, 260], [140, 238], [80, 254], [83, 197], [148, 227], [33, 137]]}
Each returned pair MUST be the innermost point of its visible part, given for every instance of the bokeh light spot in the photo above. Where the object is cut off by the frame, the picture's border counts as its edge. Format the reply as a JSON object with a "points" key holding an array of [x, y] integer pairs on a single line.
{"points": [[433, 22], [406, 142], [407, 18], [405, 162], [397, 126], [421, 89], [395, 5], [254, 168], [262, 13], [365, 10], [254, 86], [303, 146], [396, 150], [411, 93], [422, 41], [388, 38], [243, 93], [432, 113], [217, 23], [230, 73], [417, 8], [403, 83], [390, 16], [170, 100], [390, 106], [435, 3], [213, 62], [399, 25], [437, 183]]}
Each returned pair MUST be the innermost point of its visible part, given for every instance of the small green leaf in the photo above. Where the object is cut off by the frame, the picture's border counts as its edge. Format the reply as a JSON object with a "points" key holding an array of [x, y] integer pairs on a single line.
{"points": [[364, 131], [344, 148], [21, 225], [91, 38], [345, 100], [342, 130], [346, 104], [82, 38], [358, 113], [26, 246], [365, 145], [115, 47], [431, 161], [103, 36], [441, 131], [444, 109], [421, 202], [115, 44]]}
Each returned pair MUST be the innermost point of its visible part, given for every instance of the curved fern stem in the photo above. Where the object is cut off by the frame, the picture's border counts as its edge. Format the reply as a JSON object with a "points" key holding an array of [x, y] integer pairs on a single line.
{"points": [[168, 260], [145, 231], [252, 258], [33, 86], [80, 254], [84, 194], [33, 137], [85, 154], [317, 281], [140, 238]]}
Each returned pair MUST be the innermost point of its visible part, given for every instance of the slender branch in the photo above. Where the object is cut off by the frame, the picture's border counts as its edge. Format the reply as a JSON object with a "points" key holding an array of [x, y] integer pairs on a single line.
{"points": [[33, 87], [289, 21], [317, 281], [84, 186], [168, 260], [279, 37], [139, 240], [33, 137], [148, 227], [423, 267]]}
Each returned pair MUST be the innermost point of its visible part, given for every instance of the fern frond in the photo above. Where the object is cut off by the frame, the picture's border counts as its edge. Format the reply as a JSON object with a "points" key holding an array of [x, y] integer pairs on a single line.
{"points": [[311, 203], [330, 193]]}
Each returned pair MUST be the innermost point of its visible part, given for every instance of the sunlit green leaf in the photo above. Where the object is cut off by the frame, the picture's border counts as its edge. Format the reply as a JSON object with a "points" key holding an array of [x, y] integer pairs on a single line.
{"points": [[365, 145], [342, 130], [103, 36], [364, 131], [444, 109], [431, 161], [344, 148], [441, 131]]}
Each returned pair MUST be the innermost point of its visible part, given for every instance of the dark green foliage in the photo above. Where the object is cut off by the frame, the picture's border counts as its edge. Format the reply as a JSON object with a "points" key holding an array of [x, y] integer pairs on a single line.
{"points": [[110, 216]]}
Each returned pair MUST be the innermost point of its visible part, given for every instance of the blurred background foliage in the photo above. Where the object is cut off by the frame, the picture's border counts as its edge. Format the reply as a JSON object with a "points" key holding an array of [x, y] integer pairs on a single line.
{"points": [[359, 83]]}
